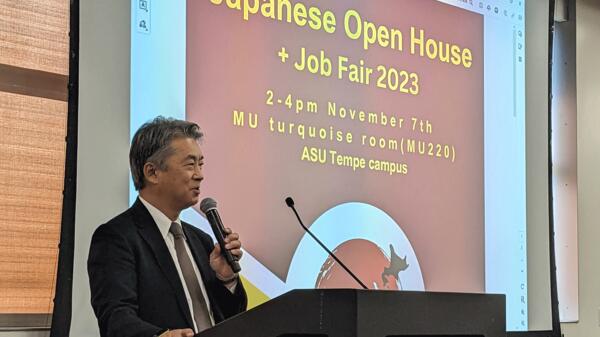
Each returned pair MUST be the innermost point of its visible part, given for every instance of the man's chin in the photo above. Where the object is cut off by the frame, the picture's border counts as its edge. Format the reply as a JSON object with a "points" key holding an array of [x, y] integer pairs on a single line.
{"points": [[190, 203], [195, 200]]}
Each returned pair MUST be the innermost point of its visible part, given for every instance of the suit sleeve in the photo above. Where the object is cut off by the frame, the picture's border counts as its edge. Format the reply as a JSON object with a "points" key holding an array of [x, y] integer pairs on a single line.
{"points": [[229, 303], [113, 285]]}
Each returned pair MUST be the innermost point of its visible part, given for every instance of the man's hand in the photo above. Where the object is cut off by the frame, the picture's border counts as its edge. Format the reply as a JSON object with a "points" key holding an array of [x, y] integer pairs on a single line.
{"points": [[181, 333], [218, 262]]}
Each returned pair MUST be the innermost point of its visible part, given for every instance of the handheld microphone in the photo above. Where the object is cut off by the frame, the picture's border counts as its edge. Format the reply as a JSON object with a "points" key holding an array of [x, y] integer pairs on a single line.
{"points": [[208, 206], [290, 202]]}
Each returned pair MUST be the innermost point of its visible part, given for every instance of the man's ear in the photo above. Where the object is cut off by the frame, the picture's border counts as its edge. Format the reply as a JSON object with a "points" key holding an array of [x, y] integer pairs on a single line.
{"points": [[151, 173]]}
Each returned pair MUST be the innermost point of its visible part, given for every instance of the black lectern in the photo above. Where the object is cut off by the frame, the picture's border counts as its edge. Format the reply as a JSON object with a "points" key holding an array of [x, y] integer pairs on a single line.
{"points": [[369, 313]]}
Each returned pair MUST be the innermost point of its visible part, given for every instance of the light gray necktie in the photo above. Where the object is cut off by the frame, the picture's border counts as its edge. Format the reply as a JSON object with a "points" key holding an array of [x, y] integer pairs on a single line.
{"points": [[200, 309]]}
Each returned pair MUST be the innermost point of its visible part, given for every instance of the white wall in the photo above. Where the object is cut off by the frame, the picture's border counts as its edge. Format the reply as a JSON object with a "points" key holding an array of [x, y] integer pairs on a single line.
{"points": [[588, 172], [103, 137]]}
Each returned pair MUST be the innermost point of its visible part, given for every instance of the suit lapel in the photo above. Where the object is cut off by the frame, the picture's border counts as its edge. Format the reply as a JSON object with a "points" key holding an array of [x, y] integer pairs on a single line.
{"points": [[199, 251], [150, 233]]}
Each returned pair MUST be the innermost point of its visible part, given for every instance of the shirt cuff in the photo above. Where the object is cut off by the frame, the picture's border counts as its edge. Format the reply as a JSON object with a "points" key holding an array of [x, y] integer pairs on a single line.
{"points": [[231, 285]]}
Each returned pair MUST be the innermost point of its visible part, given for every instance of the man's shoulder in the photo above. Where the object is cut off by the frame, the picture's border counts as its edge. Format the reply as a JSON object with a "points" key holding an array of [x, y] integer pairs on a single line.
{"points": [[124, 223]]}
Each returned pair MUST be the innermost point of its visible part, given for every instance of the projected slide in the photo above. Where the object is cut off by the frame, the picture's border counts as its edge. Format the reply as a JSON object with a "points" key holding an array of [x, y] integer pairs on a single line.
{"points": [[392, 124], [342, 103]]}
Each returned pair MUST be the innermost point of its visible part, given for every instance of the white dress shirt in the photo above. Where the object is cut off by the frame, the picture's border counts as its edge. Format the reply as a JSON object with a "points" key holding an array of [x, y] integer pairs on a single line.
{"points": [[164, 223]]}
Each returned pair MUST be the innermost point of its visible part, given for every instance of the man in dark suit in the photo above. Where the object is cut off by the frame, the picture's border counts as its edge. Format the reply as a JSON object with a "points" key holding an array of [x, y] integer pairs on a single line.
{"points": [[150, 273]]}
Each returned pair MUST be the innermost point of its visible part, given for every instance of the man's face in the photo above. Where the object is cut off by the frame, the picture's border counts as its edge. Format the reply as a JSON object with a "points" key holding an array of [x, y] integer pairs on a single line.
{"points": [[179, 182]]}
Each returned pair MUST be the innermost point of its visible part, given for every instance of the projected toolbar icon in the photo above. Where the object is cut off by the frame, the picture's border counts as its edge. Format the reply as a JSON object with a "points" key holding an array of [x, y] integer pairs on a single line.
{"points": [[142, 14], [144, 5]]}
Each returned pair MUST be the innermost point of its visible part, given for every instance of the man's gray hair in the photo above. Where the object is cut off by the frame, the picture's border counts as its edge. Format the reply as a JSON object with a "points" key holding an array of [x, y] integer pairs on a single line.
{"points": [[152, 144]]}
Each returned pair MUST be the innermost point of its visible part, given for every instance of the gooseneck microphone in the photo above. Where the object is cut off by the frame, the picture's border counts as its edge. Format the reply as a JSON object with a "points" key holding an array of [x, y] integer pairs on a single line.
{"points": [[208, 206], [290, 202]]}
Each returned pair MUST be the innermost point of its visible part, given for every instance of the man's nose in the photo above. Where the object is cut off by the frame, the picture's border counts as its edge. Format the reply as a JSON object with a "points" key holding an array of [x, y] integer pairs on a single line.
{"points": [[198, 174]]}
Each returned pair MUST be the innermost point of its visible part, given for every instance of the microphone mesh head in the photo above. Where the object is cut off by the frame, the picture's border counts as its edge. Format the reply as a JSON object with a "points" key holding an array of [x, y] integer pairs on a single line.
{"points": [[207, 204]]}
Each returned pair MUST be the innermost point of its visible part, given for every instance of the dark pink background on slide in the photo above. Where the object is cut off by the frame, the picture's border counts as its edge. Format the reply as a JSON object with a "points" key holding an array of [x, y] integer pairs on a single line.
{"points": [[231, 63]]}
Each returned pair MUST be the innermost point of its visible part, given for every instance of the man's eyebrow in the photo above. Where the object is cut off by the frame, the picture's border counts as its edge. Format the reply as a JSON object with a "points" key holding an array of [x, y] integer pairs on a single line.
{"points": [[192, 157]]}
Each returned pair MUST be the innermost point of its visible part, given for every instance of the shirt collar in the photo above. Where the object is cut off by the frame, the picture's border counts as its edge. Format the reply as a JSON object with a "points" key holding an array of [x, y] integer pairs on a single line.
{"points": [[162, 221]]}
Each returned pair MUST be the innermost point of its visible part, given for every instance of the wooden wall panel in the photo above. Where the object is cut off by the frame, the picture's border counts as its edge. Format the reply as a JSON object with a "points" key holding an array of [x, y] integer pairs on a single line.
{"points": [[34, 34], [32, 152]]}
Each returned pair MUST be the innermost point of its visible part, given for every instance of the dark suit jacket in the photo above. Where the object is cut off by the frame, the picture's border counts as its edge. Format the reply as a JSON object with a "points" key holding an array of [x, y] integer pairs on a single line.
{"points": [[135, 288]]}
